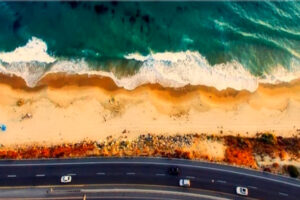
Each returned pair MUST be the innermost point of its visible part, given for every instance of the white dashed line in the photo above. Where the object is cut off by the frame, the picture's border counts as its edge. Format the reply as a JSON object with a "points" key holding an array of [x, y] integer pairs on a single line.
{"points": [[40, 175], [252, 187], [213, 168], [11, 176], [100, 173], [130, 173], [72, 174], [159, 174], [221, 181], [190, 177], [283, 194]]}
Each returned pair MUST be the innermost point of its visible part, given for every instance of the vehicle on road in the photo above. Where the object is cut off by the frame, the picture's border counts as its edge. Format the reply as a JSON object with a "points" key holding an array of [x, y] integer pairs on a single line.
{"points": [[66, 179], [184, 183], [242, 191], [175, 171]]}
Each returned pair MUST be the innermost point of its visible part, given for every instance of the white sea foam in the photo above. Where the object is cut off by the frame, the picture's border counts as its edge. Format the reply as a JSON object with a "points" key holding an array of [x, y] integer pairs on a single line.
{"points": [[183, 68], [280, 74], [169, 69], [34, 50], [29, 61], [31, 72]]}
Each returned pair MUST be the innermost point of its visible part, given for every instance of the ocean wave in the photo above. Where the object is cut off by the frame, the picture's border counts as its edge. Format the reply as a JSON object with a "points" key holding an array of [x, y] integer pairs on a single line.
{"points": [[31, 72], [275, 27], [183, 68], [279, 74], [34, 51], [259, 37], [169, 69]]}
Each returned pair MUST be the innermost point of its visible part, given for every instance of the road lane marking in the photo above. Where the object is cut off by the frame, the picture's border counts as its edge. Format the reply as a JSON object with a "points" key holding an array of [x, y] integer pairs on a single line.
{"points": [[39, 198], [221, 181], [100, 173], [252, 187], [190, 177], [99, 197], [40, 175], [283, 194], [153, 163], [11, 176], [130, 173], [151, 191], [159, 174], [72, 174], [111, 186]]}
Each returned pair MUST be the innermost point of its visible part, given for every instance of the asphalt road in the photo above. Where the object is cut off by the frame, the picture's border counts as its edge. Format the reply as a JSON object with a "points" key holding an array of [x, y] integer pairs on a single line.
{"points": [[148, 171], [130, 192]]}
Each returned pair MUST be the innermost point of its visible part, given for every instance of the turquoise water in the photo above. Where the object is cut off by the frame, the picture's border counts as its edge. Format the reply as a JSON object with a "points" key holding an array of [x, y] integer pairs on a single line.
{"points": [[258, 35]]}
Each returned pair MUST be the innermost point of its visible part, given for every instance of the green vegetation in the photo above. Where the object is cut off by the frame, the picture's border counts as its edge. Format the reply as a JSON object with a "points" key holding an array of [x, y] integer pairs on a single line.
{"points": [[268, 138], [293, 171]]}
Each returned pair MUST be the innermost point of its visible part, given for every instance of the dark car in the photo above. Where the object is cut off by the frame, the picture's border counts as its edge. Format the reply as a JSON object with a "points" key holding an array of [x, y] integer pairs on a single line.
{"points": [[174, 171]]}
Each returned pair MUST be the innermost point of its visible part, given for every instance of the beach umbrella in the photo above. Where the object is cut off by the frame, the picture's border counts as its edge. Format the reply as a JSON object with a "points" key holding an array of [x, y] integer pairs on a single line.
{"points": [[3, 127]]}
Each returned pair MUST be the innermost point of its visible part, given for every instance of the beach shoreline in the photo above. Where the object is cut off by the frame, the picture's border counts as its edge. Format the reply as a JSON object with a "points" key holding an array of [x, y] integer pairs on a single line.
{"points": [[69, 108]]}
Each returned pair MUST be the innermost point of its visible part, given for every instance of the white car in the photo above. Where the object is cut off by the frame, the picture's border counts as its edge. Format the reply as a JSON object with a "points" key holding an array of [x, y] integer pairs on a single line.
{"points": [[66, 179], [242, 191], [184, 183]]}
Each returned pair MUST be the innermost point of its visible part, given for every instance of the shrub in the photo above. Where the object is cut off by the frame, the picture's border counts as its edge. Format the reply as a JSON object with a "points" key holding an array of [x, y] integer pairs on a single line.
{"points": [[268, 138], [267, 169], [293, 171], [275, 165]]}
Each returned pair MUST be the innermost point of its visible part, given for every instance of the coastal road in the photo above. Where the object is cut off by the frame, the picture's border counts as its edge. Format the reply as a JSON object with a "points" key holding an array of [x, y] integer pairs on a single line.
{"points": [[147, 171], [110, 191]]}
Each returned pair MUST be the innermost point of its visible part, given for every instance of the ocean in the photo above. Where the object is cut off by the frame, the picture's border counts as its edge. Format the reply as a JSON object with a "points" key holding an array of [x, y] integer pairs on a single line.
{"points": [[218, 44]]}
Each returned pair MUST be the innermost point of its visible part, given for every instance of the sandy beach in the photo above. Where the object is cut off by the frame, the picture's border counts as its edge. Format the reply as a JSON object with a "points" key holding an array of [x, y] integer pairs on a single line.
{"points": [[71, 108], [215, 82]]}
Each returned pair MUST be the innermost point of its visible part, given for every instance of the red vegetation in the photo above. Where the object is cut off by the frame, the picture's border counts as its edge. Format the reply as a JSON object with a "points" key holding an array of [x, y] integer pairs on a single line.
{"points": [[59, 151], [240, 151], [239, 156]]}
